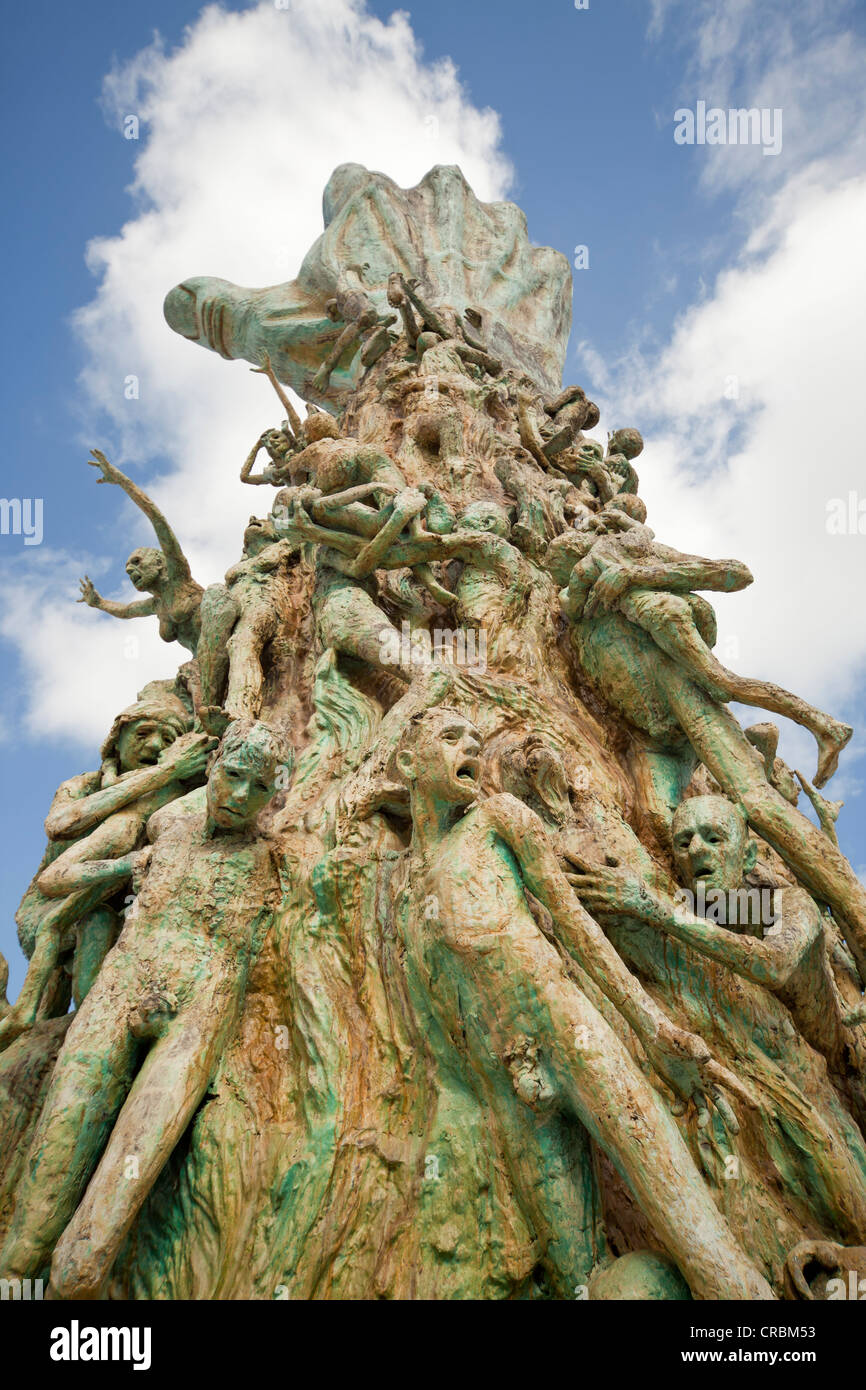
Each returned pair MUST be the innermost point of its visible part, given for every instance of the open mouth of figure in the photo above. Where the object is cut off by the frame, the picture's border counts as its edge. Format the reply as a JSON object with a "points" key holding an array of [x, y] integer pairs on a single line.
{"points": [[467, 771]]}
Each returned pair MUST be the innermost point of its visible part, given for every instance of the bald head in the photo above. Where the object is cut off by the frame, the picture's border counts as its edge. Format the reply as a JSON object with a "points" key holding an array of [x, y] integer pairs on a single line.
{"points": [[711, 843]]}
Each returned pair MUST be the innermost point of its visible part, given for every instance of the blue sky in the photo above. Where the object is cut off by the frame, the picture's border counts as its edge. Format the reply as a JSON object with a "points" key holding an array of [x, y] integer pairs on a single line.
{"points": [[696, 275]]}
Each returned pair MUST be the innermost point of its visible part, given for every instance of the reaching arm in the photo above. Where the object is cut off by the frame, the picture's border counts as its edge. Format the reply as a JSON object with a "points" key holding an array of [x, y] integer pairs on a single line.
{"points": [[184, 759], [247, 475], [291, 414], [139, 608], [680, 573], [769, 961], [524, 833], [169, 544]]}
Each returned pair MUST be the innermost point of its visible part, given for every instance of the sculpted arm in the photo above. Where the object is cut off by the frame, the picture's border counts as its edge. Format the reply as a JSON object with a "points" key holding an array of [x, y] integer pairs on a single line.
{"points": [[524, 834], [168, 541], [680, 573], [139, 608], [247, 474], [769, 961], [182, 760]]}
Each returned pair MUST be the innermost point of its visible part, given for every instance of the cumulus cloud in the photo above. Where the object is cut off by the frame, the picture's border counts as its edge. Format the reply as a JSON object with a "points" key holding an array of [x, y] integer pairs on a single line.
{"points": [[241, 126], [754, 409], [802, 60]]}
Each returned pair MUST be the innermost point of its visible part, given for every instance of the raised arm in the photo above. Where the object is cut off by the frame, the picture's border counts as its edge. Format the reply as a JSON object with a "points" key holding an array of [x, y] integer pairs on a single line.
{"points": [[169, 544], [247, 474], [291, 414]]}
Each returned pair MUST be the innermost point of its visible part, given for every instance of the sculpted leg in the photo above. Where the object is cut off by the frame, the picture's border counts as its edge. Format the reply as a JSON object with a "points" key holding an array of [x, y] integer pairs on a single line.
{"points": [[219, 613], [160, 1105], [670, 623], [61, 915], [253, 631], [95, 934], [595, 1076], [350, 622], [90, 1082]]}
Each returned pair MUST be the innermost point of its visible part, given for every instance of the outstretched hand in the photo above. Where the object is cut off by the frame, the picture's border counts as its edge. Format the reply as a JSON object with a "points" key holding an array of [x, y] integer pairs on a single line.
{"points": [[89, 594], [188, 755], [110, 474], [605, 889]]}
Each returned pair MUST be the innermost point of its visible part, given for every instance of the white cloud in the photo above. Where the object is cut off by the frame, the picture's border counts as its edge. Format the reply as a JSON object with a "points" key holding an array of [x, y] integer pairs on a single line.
{"points": [[78, 671], [241, 127], [779, 54], [783, 328]]}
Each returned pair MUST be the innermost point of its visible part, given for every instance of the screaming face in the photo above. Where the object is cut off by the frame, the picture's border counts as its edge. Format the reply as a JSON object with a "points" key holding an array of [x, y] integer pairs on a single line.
{"points": [[442, 759], [140, 743], [145, 567]]}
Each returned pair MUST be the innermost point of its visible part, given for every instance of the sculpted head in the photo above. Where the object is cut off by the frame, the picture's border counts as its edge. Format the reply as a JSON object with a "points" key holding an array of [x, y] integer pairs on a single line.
{"points": [[486, 516], [711, 843], [243, 777], [277, 444], [320, 425], [567, 550], [591, 449], [146, 568], [142, 731], [438, 757], [625, 503], [140, 743], [260, 532], [628, 442]]}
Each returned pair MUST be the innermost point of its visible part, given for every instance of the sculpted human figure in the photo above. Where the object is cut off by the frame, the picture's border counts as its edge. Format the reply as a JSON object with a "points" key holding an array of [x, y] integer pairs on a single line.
{"points": [[499, 591], [279, 448], [439, 326], [363, 324], [239, 619], [473, 863], [774, 938], [94, 824], [658, 691], [546, 505], [623, 446], [679, 623], [175, 597], [144, 1046], [549, 428]]}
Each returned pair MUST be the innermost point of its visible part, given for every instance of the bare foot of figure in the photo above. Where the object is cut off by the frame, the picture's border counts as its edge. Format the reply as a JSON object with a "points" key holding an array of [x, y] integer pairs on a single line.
{"points": [[830, 745]]}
